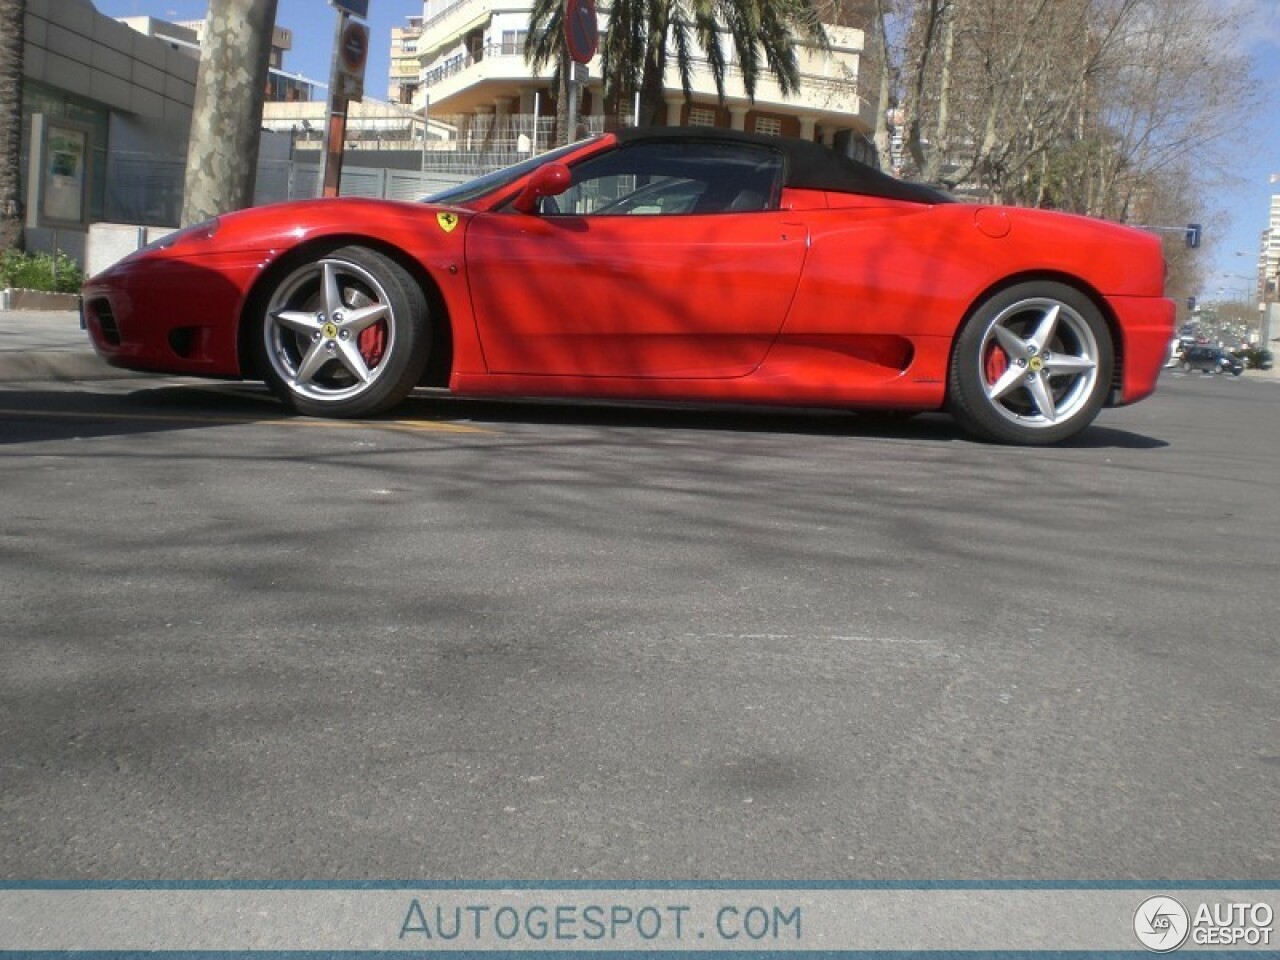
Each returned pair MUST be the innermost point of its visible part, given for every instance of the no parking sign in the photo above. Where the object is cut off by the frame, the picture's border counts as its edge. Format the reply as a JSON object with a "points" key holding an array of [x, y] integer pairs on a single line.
{"points": [[581, 30], [353, 54]]}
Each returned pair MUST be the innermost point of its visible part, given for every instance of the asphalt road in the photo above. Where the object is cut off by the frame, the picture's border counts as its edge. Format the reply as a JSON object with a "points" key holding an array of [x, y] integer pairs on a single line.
{"points": [[504, 641]]}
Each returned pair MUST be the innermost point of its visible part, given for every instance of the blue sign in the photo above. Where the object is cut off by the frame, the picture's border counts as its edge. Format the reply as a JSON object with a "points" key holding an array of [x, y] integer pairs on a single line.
{"points": [[357, 8], [581, 31]]}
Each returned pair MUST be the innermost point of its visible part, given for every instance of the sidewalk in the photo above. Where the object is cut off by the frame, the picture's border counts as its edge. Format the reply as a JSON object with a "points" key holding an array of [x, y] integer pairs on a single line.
{"points": [[49, 345]]}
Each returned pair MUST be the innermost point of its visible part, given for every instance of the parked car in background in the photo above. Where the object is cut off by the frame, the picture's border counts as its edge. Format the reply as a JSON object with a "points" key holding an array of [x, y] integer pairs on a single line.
{"points": [[1211, 360]]}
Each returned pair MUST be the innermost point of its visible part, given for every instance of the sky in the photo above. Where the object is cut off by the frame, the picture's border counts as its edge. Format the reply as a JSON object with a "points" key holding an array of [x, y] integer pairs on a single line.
{"points": [[1231, 247], [1234, 217], [313, 23]]}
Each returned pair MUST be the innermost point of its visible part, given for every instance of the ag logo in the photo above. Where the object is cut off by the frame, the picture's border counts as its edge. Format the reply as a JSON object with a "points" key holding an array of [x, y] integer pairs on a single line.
{"points": [[447, 221], [1161, 924]]}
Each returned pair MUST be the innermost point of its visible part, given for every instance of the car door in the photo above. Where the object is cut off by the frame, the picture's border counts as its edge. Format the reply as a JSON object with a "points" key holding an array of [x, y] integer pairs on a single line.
{"points": [[661, 260]]}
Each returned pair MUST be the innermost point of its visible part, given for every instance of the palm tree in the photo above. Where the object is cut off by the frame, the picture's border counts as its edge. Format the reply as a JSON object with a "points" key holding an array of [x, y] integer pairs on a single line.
{"points": [[546, 44], [642, 36], [226, 118], [12, 18]]}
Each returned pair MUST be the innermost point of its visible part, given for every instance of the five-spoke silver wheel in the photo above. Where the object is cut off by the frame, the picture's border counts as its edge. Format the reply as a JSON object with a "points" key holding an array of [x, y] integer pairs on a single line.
{"points": [[1033, 365], [344, 334]]}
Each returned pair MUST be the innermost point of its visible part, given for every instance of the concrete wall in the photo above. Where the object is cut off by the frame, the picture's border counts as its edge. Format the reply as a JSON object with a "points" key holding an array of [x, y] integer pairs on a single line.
{"points": [[147, 84], [69, 45], [109, 242]]}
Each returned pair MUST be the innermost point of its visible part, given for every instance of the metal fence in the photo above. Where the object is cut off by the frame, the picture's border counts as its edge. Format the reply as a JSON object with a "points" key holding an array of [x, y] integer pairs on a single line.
{"points": [[146, 189], [143, 188], [375, 182]]}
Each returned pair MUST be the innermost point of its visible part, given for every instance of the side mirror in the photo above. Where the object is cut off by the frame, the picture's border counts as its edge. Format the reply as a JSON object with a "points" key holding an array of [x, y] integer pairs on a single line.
{"points": [[550, 180]]}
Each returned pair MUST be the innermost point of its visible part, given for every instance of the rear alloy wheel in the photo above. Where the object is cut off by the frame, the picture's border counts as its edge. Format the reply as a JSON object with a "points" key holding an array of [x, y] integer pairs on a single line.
{"points": [[1032, 366], [344, 335]]}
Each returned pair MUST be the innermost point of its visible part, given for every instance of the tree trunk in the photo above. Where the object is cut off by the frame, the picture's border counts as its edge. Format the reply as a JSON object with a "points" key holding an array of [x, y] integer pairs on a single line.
{"points": [[942, 122], [931, 15], [12, 20], [653, 78], [226, 121], [881, 136]]}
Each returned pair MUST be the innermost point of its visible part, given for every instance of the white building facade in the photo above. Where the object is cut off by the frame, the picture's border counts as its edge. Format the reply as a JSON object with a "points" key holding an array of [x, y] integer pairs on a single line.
{"points": [[405, 70], [472, 63], [1269, 253], [1269, 277]]}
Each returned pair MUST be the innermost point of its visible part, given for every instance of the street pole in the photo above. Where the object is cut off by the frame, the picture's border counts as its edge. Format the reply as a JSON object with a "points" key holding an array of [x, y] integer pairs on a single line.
{"points": [[537, 112], [346, 84], [1266, 305], [571, 118], [335, 130], [426, 121]]}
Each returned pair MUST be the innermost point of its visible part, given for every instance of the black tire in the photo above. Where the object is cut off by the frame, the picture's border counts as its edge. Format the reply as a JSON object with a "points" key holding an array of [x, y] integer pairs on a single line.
{"points": [[342, 334], [1031, 366]]}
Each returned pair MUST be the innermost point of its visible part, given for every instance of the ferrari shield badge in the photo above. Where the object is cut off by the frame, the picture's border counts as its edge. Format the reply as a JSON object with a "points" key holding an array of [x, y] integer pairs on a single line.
{"points": [[447, 221]]}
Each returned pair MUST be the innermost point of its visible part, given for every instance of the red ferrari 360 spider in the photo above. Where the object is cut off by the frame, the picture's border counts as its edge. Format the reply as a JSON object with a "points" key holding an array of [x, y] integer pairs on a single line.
{"points": [[654, 265]]}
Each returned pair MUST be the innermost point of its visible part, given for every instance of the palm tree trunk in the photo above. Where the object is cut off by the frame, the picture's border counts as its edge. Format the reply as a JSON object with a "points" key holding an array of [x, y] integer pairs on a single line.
{"points": [[12, 20], [226, 120], [653, 78]]}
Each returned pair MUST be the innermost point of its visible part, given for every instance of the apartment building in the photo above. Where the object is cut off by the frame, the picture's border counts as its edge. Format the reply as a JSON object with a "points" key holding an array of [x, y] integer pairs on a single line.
{"points": [[1269, 253], [186, 37], [1269, 276], [472, 64], [406, 67]]}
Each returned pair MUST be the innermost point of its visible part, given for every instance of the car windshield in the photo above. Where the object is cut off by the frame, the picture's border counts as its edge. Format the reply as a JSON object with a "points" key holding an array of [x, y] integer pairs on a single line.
{"points": [[481, 186]]}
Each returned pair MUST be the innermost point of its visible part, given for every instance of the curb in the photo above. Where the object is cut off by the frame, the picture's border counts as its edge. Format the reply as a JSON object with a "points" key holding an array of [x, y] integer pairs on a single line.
{"points": [[49, 345], [17, 298], [58, 365]]}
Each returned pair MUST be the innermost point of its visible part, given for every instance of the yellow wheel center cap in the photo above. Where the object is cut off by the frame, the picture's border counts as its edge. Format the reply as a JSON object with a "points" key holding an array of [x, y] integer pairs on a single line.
{"points": [[1035, 364], [330, 330]]}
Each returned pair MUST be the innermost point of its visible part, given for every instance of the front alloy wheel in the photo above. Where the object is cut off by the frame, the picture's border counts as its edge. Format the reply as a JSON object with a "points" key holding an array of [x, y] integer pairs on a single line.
{"points": [[344, 335], [1032, 366]]}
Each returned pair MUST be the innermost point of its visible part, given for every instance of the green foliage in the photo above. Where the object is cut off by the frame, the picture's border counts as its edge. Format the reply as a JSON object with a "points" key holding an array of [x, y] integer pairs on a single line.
{"points": [[54, 273], [749, 39], [1256, 358]]}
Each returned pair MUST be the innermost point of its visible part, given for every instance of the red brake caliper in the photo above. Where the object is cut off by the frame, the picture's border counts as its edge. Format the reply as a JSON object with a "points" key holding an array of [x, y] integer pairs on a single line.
{"points": [[995, 364], [372, 343]]}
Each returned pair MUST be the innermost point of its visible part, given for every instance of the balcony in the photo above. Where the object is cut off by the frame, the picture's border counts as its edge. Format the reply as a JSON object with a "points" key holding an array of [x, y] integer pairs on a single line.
{"points": [[499, 65], [818, 95], [459, 17], [463, 80]]}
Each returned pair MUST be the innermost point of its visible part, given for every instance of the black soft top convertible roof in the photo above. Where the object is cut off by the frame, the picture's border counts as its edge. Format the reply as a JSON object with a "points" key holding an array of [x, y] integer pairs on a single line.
{"points": [[808, 165]]}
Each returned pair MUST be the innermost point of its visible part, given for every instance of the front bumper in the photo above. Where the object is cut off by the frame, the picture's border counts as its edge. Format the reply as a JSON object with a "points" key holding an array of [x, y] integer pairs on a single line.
{"points": [[169, 314]]}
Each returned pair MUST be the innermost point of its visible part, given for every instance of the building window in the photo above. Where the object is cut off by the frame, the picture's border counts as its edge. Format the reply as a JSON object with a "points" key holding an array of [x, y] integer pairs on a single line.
{"points": [[702, 117], [513, 42], [769, 126]]}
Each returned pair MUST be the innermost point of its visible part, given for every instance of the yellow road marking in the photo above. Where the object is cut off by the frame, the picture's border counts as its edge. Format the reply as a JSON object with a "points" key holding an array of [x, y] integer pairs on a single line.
{"points": [[425, 426]]}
